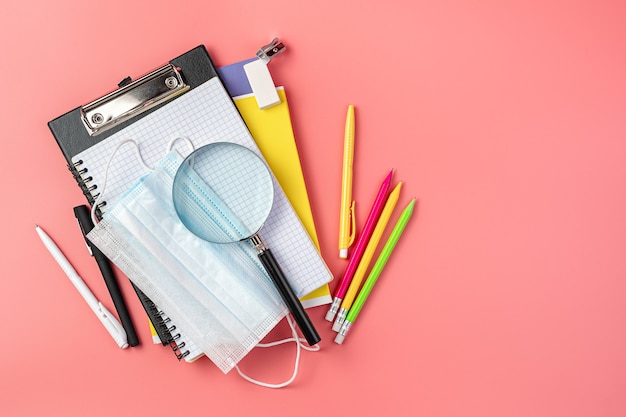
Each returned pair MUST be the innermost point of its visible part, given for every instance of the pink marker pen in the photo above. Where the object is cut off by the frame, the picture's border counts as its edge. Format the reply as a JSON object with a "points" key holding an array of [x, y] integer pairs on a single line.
{"points": [[362, 240]]}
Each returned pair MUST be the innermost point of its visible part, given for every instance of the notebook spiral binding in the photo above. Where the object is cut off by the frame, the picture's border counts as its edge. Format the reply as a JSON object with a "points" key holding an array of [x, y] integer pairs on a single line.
{"points": [[175, 336], [84, 183]]}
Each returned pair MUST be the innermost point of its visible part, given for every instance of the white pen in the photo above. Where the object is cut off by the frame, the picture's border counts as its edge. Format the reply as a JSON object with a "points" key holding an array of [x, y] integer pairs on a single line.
{"points": [[108, 320]]}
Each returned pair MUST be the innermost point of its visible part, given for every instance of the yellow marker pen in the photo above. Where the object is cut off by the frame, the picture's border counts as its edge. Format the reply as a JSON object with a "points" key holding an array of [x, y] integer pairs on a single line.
{"points": [[346, 219]]}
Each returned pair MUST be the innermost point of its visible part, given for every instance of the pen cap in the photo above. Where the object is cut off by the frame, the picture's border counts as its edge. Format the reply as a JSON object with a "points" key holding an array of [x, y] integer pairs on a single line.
{"points": [[350, 121]]}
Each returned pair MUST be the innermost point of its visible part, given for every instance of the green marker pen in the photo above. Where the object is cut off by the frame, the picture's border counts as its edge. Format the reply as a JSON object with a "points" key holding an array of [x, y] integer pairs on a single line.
{"points": [[375, 272]]}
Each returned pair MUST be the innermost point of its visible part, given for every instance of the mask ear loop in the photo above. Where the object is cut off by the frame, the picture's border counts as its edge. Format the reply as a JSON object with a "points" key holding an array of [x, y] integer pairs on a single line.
{"points": [[299, 346], [171, 143], [106, 174]]}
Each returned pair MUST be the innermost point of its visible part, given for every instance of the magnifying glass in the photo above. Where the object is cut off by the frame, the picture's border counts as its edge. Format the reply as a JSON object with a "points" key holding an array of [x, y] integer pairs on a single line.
{"points": [[223, 193]]}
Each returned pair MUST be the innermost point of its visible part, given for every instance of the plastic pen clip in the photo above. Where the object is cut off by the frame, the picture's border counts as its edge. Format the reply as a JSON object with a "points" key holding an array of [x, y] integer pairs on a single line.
{"points": [[345, 241], [114, 328], [352, 224]]}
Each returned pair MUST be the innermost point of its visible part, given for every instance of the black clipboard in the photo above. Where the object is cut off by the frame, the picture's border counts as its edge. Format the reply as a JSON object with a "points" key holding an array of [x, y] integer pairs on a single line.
{"points": [[90, 124]]}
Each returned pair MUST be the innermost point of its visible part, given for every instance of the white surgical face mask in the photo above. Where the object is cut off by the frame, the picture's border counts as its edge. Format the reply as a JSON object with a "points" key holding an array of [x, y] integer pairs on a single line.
{"points": [[218, 295]]}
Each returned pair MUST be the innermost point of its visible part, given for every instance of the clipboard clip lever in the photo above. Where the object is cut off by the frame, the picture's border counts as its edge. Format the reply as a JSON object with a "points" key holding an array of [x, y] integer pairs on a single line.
{"points": [[133, 98], [267, 52]]}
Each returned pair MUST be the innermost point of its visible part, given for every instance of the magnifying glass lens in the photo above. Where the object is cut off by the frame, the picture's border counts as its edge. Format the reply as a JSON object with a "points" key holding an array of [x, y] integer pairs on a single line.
{"points": [[223, 192]]}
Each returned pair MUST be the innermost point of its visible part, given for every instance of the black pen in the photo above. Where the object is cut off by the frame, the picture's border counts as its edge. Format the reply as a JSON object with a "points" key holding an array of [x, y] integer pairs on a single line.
{"points": [[83, 216]]}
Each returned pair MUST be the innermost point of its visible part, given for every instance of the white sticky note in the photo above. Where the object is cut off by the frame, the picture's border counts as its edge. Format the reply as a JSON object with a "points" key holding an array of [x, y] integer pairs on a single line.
{"points": [[262, 84]]}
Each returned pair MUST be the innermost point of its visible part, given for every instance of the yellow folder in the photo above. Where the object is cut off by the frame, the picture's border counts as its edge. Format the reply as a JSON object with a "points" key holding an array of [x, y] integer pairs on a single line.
{"points": [[273, 133]]}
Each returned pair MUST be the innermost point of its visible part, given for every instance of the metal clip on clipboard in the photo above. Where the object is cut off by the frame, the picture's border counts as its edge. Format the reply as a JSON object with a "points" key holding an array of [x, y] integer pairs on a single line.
{"points": [[132, 99]]}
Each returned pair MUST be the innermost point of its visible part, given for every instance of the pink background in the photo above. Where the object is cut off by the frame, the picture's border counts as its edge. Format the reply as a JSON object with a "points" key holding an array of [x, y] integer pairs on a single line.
{"points": [[505, 296]]}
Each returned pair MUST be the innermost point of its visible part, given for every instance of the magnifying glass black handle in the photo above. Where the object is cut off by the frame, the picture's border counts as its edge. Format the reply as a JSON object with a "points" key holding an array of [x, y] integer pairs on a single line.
{"points": [[293, 303]]}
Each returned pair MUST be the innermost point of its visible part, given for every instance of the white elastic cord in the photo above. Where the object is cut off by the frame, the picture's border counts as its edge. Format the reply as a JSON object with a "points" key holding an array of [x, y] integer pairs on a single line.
{"points": [[106, 174], [299, 345], [171, 143]]}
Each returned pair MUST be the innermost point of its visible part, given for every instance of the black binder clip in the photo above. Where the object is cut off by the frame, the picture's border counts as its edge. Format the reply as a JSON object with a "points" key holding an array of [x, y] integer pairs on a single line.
{"points": [[267, 52]]}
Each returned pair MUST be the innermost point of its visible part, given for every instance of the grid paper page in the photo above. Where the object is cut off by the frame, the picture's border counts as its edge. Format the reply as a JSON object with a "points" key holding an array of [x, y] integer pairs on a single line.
{"points": [[204, 115]]}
